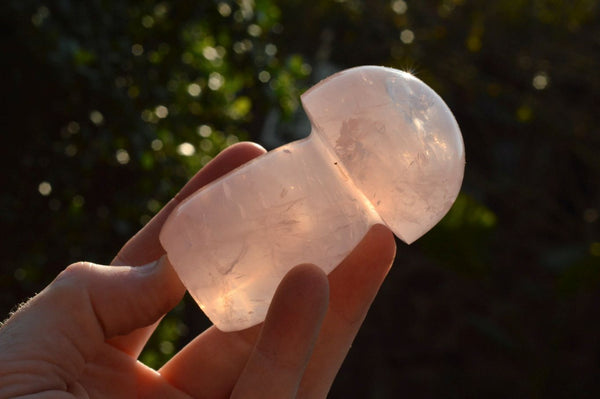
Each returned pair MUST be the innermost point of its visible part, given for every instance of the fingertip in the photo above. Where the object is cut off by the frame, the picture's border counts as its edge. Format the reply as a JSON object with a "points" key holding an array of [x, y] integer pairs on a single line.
{"points": [[382, 238], [307, 280], [238, 154], [126, 298], [169, 282], [300, 302], [302, 295], [229, 159], [248, 147], [355, 282], [288, 336]]}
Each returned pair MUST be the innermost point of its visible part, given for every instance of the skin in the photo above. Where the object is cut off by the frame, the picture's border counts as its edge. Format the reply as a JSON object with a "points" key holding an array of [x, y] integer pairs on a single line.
{"points": [[81, 336]]}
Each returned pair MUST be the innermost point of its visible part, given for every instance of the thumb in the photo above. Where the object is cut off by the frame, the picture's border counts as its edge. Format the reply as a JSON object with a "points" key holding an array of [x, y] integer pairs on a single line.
{"points": [[123, 298]]}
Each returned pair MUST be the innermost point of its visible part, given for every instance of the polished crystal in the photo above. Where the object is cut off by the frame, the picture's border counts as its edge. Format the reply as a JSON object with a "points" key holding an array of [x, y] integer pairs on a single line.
{"points": [[384, 148]]}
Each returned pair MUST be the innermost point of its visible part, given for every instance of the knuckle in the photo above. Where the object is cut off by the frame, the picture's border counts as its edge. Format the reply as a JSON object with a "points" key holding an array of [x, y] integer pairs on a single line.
{"points": [[73, 280], [77, 270]]}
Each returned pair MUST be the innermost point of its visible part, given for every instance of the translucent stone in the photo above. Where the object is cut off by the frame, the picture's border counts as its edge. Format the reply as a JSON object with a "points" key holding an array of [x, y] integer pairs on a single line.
{"points": [[384, 148]]}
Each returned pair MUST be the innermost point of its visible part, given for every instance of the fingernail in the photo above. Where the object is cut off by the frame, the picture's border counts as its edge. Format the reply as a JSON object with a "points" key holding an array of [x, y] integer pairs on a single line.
{"points": [[149, 267]]}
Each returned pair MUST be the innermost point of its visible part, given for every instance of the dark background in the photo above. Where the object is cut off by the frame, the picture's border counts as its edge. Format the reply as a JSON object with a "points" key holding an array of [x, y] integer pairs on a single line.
{"points": [[500, 300]]}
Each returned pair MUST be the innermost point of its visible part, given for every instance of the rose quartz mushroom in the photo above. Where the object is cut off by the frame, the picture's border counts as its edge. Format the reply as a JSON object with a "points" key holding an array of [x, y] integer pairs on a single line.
{"points": [[384, 148]]}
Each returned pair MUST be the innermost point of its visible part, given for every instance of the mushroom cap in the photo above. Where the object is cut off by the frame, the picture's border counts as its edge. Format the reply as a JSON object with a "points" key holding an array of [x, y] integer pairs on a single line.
{"points": [[397, 141]]}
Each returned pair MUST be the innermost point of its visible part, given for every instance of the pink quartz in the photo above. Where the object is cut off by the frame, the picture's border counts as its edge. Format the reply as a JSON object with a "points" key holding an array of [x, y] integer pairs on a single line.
{"points": [[384, 148]]}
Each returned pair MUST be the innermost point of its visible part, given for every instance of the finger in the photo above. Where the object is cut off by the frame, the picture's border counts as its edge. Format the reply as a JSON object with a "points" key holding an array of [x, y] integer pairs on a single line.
{"points": [[215, 359], [83, 306], [121, 298], [288, 336], [353, 286], [210, 365], [145, 246]]}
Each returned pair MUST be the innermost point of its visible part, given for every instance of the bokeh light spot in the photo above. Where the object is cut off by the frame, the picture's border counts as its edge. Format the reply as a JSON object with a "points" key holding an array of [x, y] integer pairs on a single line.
{"points": [[122, 156], [156, 144], [161, 111], [40, 16], [204, 130], [215, 81], [45, 188], [210, 53], [96, 117], [71, 150], [161, 9], [205, 159], [242, 46], [186, 149], [137, 49], [254, 30], [224, 9], [147, 21], [166, 347], [231, 139], [399, 6], [264, 76], [194, 89], [540, 81], [73, 127], [270, 49], [206, 145], [407, 36]]}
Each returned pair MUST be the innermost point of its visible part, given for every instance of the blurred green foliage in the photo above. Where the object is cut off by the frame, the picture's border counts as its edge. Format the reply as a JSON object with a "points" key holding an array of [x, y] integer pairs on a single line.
{"points": [[110, 106]]}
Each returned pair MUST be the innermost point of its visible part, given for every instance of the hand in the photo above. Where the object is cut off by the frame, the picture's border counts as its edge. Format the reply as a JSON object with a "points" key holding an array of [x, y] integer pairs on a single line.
{"points": [[80, 337]]}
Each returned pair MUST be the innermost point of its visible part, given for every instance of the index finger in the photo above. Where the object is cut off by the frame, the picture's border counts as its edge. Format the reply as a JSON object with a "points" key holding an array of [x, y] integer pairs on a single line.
{"points": [[144, 247]]}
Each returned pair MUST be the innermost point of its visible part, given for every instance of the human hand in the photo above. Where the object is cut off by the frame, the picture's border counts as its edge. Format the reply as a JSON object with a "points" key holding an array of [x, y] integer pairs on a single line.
{"points": [[81, 336]]}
